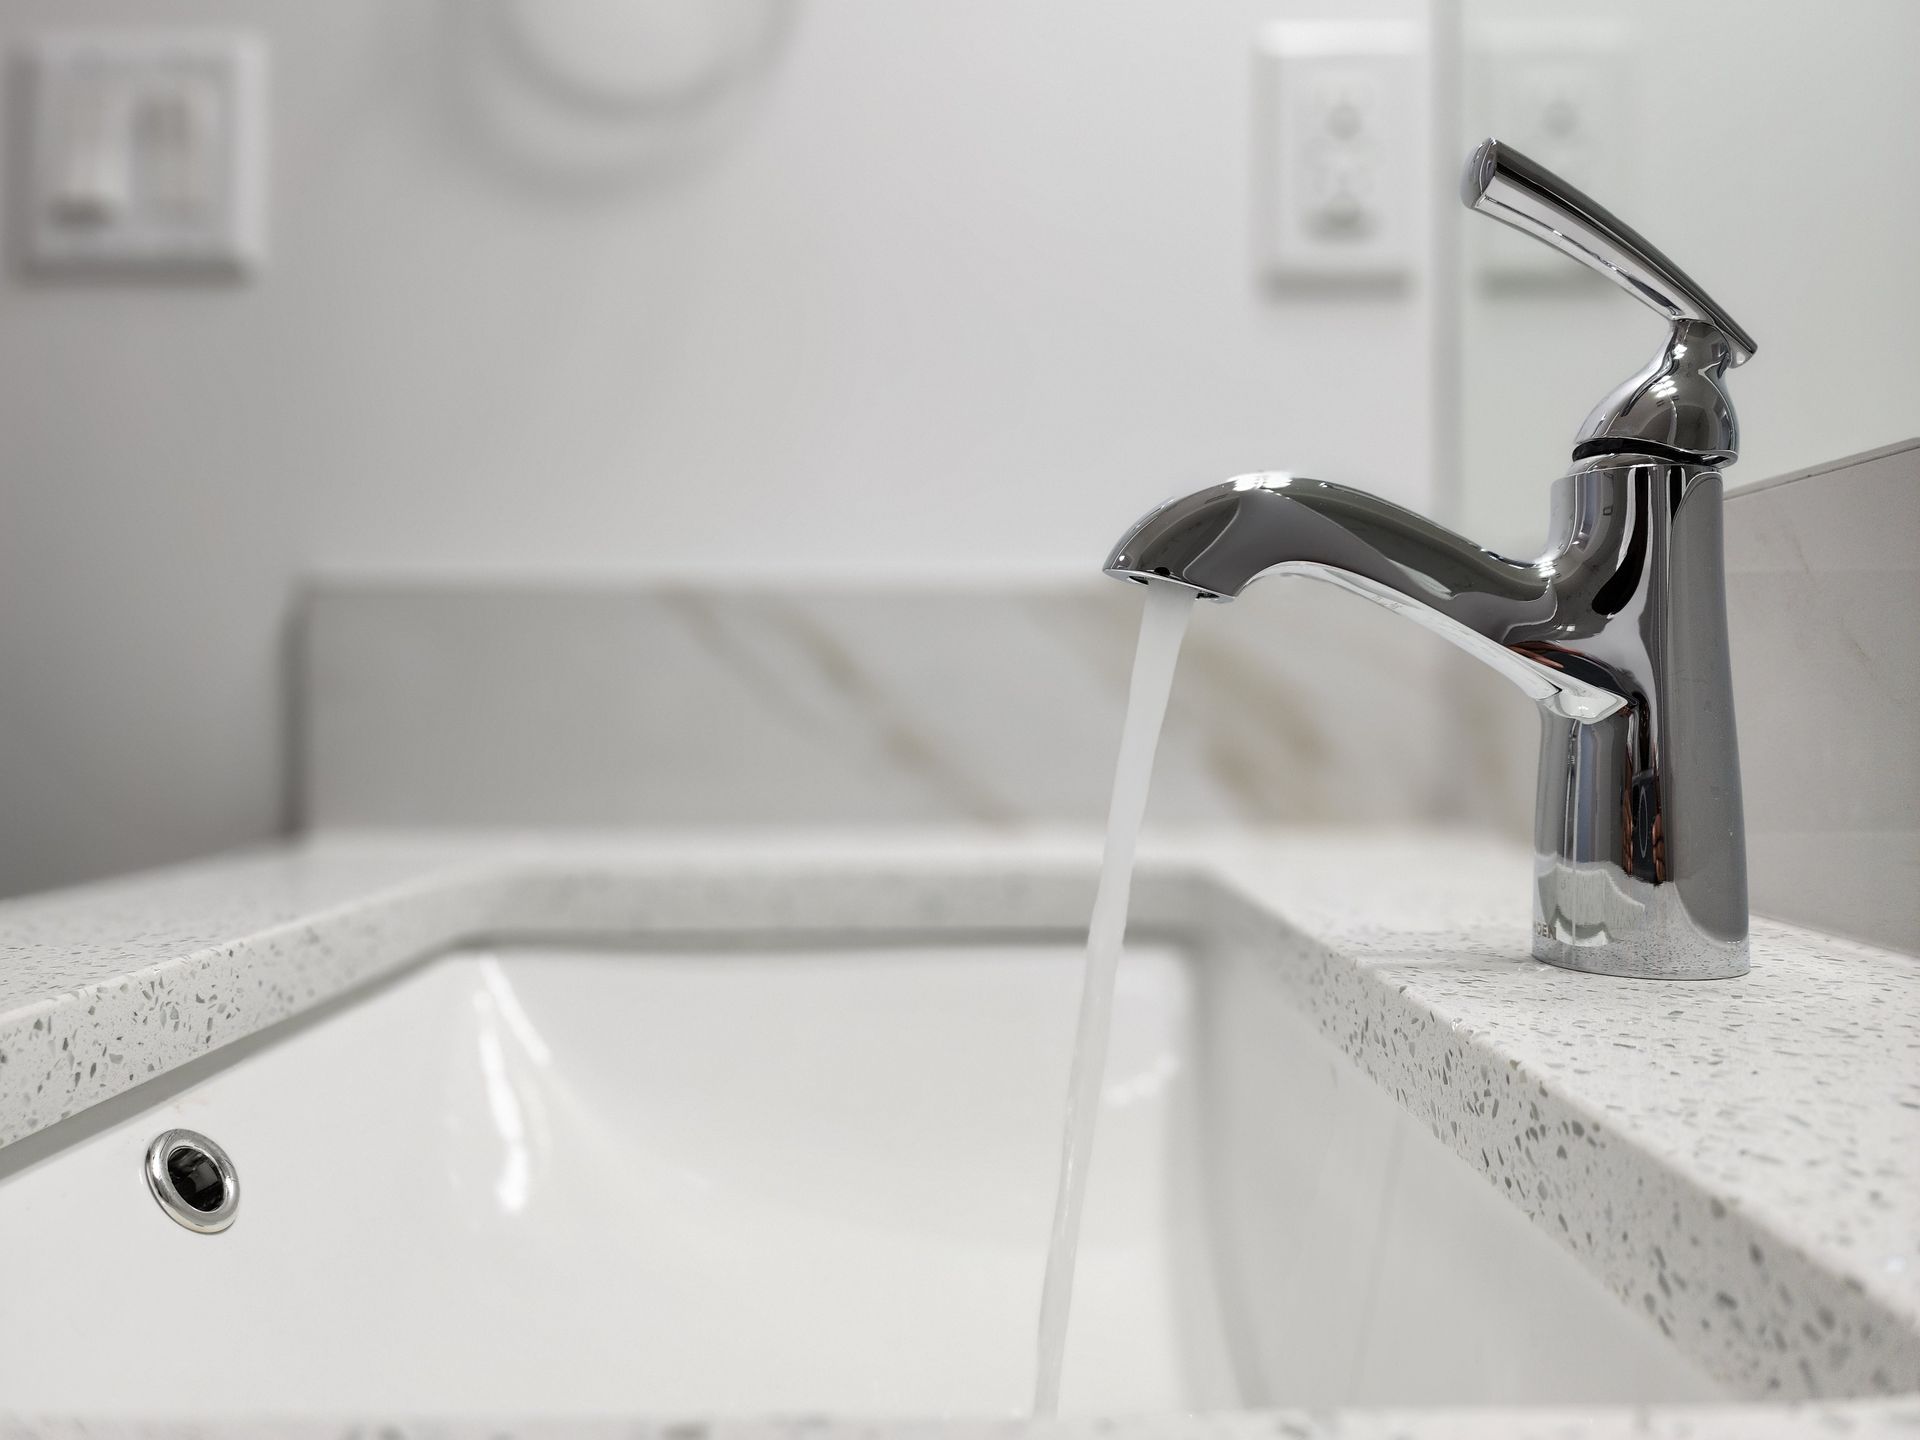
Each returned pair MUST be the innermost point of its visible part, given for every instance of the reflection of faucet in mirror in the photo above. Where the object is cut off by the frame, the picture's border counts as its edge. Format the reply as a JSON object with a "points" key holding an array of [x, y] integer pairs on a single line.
{"points": [[1618, 631]]}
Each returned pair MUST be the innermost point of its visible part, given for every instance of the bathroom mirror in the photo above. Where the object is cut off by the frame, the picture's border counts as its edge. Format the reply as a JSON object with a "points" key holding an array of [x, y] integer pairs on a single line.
{"points": [[1757, 145]]}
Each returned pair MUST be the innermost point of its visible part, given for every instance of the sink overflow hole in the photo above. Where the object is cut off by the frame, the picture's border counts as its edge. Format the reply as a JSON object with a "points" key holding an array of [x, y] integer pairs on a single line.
{"points": [[193, 1180], [196, 1179]]}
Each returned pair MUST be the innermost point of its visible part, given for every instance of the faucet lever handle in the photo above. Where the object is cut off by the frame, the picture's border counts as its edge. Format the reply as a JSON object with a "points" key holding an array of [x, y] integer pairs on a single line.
{"points": [[1501, 182], [1677, 406]]}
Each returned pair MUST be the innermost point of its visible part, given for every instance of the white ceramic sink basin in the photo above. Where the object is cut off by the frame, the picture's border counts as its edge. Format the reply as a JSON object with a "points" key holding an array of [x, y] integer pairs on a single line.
{"points": [[758, 1181]]}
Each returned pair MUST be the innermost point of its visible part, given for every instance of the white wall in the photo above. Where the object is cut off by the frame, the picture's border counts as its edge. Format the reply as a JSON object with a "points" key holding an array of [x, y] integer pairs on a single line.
{"points": [[971, 288]]}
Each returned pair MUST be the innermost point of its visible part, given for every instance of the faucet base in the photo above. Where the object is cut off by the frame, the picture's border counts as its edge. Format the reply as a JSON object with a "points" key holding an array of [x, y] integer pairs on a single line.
{"points": [[1640, 856], [1593, 918]]}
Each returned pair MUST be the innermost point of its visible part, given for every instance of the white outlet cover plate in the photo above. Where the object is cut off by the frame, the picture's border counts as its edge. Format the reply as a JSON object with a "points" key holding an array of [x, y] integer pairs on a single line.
{"points": [[147, 153], [1339, 130]]}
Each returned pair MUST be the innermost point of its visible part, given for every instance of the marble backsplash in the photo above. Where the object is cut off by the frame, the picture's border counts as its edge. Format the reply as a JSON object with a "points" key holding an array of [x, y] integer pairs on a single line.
{"points": [[1823, 600], [598, 703]]}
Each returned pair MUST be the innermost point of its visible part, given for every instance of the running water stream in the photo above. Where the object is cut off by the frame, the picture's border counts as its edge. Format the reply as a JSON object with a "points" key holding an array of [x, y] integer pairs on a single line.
{"points": [[1162, 626]]}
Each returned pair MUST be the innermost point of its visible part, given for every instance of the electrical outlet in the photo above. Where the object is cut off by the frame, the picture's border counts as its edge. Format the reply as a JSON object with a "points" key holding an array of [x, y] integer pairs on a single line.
{"points": [[147, 152], [1338, 135]]}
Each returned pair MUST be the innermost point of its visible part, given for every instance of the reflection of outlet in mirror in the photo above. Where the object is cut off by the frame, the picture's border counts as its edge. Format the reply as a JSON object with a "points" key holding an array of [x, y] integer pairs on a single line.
{"points": [[146, 152], [1336, 147], [1555, 91]]}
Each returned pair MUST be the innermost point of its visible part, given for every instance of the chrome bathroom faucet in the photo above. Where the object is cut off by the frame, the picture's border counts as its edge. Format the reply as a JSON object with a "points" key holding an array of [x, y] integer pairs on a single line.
{"points": [[1618, 631]]}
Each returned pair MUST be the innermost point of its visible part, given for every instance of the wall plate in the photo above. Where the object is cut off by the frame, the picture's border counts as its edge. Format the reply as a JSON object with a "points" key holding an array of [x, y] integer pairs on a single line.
{"points": [[146, 152], [1338, 136]]}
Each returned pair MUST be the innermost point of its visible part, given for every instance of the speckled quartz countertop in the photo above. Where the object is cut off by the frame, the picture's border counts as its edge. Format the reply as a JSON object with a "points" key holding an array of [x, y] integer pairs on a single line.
{"points": [[1739, 1159]]}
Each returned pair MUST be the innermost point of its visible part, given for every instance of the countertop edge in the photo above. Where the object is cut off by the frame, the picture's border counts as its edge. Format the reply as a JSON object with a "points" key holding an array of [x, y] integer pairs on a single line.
{"points": [[342, 910]]}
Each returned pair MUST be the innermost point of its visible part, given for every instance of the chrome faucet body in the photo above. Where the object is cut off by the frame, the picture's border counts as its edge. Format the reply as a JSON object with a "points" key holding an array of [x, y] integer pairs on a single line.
{"points": [[1617, 631]]}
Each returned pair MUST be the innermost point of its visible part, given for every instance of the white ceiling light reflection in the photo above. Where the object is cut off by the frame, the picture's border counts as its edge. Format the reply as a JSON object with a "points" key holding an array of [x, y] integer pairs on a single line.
{"points": [[506, 1040]]}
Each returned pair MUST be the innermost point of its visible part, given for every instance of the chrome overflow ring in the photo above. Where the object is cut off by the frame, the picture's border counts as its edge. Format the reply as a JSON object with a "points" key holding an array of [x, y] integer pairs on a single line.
{"points": [[193, 1180]]}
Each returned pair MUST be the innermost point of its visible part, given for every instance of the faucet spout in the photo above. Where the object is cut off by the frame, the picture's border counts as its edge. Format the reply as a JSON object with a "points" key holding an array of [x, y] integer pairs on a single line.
{"points": [[1217, 541], [1618, 632]]}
